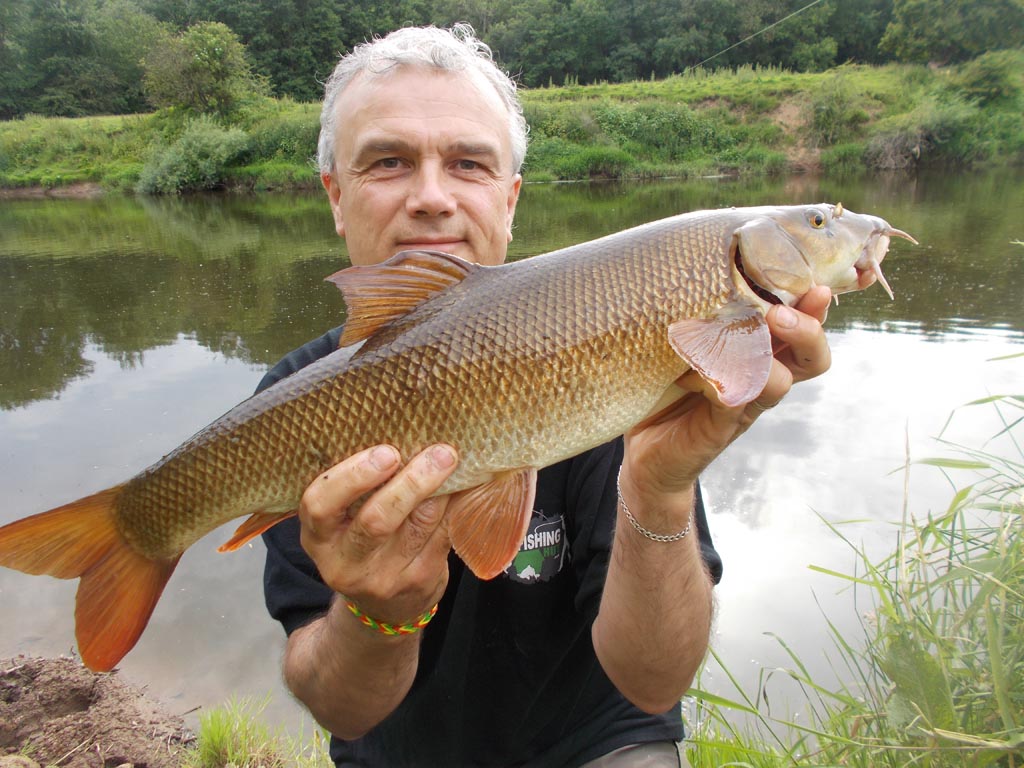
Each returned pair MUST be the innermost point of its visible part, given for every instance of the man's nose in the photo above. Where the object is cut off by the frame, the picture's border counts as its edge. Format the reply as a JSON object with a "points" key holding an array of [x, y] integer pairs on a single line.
{"points": [[431, 194]]}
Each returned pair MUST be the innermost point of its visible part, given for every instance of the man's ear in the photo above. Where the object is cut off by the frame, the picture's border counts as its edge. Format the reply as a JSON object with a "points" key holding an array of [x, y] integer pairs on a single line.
{"points": [[513, 198], [334, 195]]}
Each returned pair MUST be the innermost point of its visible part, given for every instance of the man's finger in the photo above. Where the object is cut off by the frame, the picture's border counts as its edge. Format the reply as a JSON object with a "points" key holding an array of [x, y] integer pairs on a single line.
{"points": [[329, 496], [800, 340], [389, 507]]}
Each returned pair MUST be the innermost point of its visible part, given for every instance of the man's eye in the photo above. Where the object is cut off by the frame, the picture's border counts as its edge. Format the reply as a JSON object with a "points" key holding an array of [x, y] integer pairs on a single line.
{"points": [[468, 165], [388, 162]]}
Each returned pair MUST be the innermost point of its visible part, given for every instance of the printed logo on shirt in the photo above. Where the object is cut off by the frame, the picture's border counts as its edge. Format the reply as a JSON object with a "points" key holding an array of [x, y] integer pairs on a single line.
{"points": [[544, 550]]}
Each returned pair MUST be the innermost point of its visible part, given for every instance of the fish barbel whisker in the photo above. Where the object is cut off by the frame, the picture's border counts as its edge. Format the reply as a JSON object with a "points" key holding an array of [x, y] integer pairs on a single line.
{"points": [[891, 232]]}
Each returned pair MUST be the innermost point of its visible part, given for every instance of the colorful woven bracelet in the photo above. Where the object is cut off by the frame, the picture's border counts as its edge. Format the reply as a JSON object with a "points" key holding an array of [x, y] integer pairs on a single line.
{"points": [[384, 628]]}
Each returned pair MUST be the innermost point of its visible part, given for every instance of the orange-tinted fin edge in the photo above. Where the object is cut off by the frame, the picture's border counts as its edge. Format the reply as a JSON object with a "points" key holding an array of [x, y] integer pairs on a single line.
{"points": [[253, 526], [487, 523], [732, 350], [378, 294], [119, 587], [114, 603]]}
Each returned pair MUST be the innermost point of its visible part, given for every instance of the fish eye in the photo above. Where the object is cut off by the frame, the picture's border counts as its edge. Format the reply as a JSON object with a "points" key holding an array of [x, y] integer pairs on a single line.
{"points": [[817, 219]]}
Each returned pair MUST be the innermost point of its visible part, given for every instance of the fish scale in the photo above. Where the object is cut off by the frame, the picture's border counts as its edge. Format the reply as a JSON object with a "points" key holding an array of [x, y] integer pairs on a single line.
{"points": [[516, 366]]}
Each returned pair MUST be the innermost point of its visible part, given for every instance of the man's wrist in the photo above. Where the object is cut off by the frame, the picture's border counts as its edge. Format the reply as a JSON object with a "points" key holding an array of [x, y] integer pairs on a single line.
{"points": [[665, 514]]}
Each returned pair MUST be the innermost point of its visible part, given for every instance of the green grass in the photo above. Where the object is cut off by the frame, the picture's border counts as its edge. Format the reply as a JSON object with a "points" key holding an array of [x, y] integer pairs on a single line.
{"points": [[749, 120], [235, 736]]}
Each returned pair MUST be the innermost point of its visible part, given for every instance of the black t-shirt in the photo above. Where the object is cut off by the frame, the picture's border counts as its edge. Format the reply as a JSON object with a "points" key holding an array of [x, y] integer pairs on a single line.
{"points": [[507, 673]]}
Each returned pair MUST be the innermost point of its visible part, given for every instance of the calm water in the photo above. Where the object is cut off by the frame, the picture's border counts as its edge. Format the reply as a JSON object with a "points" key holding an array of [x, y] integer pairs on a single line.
{"points": [[126, 325]]}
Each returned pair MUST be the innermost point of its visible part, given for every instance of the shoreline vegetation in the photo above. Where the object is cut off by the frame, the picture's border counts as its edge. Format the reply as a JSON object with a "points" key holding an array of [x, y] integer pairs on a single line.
{"points": [[744, 121]]}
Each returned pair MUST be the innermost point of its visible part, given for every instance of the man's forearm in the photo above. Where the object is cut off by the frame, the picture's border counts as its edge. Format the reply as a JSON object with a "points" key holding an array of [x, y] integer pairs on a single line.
{"points": [[349, 677], [652, 630]]}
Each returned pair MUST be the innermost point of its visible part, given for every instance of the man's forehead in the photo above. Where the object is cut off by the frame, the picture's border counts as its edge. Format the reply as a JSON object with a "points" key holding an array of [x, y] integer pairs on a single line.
{"points": [[466, 84], [374, 110]]}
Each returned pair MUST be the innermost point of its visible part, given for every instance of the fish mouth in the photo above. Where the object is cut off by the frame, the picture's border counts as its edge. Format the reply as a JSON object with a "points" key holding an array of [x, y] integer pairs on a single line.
{"points": [[760, 291], [869, 265]]}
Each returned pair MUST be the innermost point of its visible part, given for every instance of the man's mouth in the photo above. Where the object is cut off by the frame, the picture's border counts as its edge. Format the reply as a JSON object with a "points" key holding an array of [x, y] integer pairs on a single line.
{"points": [[447, 245]]}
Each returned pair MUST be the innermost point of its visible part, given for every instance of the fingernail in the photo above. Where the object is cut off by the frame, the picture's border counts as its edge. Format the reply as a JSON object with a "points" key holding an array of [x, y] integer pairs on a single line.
{"points": [[785, 317], [442, 456], [383, 457]]}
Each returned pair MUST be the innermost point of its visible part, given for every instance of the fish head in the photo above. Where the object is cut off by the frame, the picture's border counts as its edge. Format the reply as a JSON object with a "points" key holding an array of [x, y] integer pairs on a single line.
{"points": [[783, 252]]}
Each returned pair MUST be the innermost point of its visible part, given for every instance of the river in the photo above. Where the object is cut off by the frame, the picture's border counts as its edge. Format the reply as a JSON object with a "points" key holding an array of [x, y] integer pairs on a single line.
{"points": [[128, 324]]}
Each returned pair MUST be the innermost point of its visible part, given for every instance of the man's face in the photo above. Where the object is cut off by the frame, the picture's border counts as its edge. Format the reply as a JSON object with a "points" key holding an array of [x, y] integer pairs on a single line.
{"points": [[423, 160]]}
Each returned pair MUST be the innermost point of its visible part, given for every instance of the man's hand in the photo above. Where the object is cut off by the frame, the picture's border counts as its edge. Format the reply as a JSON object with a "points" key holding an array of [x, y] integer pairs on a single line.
{"points": [[389, 556], [667, 456]]}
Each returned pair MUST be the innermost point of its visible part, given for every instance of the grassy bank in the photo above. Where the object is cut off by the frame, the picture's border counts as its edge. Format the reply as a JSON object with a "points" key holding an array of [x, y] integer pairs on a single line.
{"points": [[743, 121]]}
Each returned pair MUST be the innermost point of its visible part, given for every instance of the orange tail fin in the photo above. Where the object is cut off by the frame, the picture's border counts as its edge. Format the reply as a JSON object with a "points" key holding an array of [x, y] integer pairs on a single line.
{"points": [[119, 587]]}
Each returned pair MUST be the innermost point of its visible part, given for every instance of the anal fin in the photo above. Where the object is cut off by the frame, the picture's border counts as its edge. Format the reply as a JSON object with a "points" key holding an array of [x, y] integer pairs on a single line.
{"points": [[487, 523], [253, 526]]}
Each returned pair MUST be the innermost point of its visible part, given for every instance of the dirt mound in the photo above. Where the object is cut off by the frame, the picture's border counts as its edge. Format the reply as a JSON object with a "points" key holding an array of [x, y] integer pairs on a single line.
{"points": [[57, 712]]}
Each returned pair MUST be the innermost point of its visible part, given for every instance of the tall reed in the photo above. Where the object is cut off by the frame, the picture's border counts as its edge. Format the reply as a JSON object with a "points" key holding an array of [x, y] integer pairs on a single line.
{"points": [[938, 678]]}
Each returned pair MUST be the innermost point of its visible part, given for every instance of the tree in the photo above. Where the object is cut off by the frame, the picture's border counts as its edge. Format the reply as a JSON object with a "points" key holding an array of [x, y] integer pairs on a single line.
{"points": [[13, 15], [203, 69], [858, 28], [122, 36], [59, 68], [948, 31]]}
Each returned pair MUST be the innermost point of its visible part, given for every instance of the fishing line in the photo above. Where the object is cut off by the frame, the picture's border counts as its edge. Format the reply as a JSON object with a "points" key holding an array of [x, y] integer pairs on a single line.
{"points": [[751, 37]]}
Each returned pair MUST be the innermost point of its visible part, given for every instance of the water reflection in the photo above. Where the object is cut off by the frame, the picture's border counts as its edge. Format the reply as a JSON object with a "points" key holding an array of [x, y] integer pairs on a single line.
{"points": [[126, 325]]}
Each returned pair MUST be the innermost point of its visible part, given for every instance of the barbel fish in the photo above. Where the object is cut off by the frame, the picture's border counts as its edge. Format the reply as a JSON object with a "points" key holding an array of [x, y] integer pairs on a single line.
{"points": [[517, 366]]}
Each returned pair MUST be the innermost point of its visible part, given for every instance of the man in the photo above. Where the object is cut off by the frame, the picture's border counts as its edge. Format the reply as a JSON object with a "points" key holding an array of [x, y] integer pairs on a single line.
{"points": [[421, 145]]}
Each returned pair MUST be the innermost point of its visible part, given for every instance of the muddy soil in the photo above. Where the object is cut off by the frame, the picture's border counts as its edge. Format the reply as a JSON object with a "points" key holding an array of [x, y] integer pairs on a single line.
{"points": [[57, 712]]}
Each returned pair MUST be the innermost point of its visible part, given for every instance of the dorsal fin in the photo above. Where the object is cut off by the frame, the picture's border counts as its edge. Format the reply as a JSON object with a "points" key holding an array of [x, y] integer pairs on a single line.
{"points": [[378, 294]]}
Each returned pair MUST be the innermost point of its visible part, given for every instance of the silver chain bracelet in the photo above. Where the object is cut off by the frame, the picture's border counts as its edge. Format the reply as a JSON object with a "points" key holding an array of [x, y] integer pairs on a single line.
{"points": [[640, 529]]}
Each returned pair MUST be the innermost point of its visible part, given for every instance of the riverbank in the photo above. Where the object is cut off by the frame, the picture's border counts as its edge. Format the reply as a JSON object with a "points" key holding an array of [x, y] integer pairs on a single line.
{"points": [[745, 121], [57, 712]]}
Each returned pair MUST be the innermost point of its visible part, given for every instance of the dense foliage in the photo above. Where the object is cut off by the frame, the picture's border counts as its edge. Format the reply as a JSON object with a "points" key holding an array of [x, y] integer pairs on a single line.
{"points": [[743, 121], [85, 57]]}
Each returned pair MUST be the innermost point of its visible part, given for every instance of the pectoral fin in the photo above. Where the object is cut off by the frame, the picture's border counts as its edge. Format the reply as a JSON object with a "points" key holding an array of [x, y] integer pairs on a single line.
{"points": [[487, 523], [380, 293], [732, 350]]}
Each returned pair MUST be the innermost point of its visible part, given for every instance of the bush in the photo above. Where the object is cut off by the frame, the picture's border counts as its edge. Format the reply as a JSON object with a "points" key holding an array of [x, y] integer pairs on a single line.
{"points": [[564, 121], [204, 69], [196, 161], [673, 132], [287, 136], [594, 162], [938, 130], [836, 112], [764, 160], [275, 174], [843, 158], [992, 78]]}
